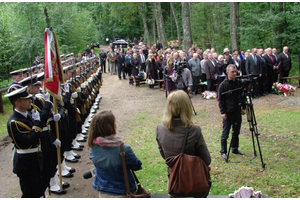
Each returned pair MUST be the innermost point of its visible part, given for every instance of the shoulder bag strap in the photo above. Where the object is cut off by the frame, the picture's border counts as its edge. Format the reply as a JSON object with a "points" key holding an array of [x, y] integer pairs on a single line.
{"points": [[185, 139], [122, 153]]}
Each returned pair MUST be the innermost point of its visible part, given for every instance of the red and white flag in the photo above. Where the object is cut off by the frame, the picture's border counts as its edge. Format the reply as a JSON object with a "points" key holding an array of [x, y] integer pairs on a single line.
{"points": [[53, 66]]}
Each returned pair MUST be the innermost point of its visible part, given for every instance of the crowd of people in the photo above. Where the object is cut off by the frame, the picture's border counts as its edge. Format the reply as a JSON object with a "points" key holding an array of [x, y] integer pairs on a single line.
{"points": [[208, 67]]}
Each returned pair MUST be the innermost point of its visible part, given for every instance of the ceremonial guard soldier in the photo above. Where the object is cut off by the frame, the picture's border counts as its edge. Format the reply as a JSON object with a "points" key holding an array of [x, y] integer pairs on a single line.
{"points": [[25, 130], [37, 60]]}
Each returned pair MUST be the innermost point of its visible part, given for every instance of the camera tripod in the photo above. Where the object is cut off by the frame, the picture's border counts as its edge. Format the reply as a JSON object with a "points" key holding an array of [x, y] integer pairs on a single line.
{"points": [[252, 127]]}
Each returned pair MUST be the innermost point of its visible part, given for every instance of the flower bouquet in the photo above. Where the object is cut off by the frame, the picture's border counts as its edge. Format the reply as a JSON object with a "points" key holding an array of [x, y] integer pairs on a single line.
{"points": [[209, 95], [284, 89]]}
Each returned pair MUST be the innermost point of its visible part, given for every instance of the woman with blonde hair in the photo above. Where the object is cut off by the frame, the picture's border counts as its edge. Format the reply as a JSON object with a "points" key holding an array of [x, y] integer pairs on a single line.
{"points": [[105, 154], [168, 72], [176, 123]]}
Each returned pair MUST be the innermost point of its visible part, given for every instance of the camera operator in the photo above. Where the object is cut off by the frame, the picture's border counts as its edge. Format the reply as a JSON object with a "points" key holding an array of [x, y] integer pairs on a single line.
{"points": [[231, 107], [182, 77]]}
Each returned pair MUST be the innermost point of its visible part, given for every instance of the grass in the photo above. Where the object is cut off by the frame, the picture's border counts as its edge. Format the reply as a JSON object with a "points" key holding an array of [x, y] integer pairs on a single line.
{"points": [[279, 141]]}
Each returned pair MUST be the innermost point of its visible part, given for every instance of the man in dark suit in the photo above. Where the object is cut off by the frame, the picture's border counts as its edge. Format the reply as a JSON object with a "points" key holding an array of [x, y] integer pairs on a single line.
{"points": [[271, 68], [103, 56], [285, 63], [211, 72], [253, 67], [142, 60], [122, 49], [25, 130], [121, 65], [158, 46], [262, 84], [277, 62]]}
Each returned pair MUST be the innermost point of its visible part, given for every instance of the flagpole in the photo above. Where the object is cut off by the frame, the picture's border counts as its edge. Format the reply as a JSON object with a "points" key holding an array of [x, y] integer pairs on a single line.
{"points": [[57, 148], [48, 21]]}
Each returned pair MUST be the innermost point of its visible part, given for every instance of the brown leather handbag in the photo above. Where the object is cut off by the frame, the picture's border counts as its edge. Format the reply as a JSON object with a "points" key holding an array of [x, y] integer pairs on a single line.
{"points": [[141, 192], [188, 174]]}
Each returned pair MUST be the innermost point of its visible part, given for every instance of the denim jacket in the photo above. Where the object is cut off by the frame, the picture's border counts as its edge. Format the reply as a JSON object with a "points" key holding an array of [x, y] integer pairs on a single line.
{"points": [[110, 176]]}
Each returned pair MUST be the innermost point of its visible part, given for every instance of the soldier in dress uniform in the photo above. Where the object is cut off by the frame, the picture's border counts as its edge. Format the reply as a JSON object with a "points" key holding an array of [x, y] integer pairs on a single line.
{"points": [[17, 76], [37, 60], [25, 130]]}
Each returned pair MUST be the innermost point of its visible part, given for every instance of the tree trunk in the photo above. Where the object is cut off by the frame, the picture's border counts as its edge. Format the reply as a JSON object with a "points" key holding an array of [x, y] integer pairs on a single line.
{"points": [[280, 25], [153, 27], [177, 24], [161, 25], [171, 23], [145, 23], [233, 26], [157, 22], [186, 25]]}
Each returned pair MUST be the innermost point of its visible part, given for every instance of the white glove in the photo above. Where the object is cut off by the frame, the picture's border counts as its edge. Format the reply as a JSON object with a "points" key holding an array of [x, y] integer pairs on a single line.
{"points": [[47, 97], [57, 143], [56, 117], [78, 89], [67, 87], [74, 95], [90, 97], [72, 101], [35, 115], [78, 110]]}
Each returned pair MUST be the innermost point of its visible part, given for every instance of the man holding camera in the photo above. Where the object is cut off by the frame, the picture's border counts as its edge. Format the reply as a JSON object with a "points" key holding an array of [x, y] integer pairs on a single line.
{"points": [[232, 107], [182, 76]]}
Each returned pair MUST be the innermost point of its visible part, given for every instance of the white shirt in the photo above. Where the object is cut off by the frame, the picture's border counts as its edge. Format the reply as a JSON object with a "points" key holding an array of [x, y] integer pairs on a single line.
{"points": [[22, 113]]}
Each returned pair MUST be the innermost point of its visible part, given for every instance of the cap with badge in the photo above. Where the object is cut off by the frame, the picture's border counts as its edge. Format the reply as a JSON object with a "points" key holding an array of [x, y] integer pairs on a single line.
{"points": [[16, 72], [18, 93], [37, 55], [13, 87], [30, 80], [40, 76]]}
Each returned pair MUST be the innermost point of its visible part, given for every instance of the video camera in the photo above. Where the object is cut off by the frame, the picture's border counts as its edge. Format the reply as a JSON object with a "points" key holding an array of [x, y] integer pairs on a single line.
{"points": [[246, 80], [179, 66]]}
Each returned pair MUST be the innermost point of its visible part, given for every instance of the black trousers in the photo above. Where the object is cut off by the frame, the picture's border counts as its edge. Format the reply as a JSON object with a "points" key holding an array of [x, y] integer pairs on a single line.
{"points": [[233, 122], [196, 80], [210, 85], [103, 67], [283, 74], [121, 69]]}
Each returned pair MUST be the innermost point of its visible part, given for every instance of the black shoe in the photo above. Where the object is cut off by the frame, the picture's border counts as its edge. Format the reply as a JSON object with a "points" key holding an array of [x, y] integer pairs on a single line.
{"points": [[119, 78], [77, 149], [65, 185], [59, 192], [83, 140], [77, 156], [125, 78], [72, 170], [224, 155], [237, 152], [68, 175], [71, 161]]}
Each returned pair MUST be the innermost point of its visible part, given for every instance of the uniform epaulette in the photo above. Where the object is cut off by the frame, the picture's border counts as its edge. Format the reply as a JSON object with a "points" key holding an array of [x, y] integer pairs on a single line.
{"points": [[36, 107], [42, 100], [22, 125]]}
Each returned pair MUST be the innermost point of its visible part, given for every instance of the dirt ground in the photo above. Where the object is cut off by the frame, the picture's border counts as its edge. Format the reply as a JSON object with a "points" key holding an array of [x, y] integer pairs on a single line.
{"points": [[124, 100]]}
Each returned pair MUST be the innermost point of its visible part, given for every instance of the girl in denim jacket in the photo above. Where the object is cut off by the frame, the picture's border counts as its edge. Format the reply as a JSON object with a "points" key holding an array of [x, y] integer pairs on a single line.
{"points": [[105, 154]]}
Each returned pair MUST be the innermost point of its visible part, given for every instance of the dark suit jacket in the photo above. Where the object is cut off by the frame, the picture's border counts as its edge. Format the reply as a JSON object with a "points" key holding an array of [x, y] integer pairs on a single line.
{"points": [[239, 64], [269, 63], [251, 67], [140, 59], [210, 69], [263, 65], [121, 60], [285, 63]]}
